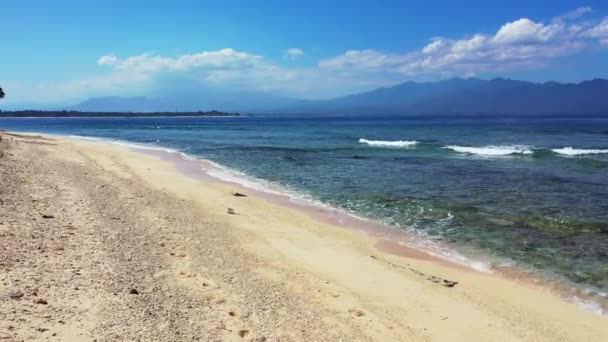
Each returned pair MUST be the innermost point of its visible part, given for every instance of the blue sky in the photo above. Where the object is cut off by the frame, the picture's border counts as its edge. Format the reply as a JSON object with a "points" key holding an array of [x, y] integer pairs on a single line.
{"points": [[63, 51]]}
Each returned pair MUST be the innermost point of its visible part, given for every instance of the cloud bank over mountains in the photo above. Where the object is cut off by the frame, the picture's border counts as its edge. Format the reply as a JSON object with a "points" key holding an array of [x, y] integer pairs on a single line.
{"points": [[517, 45], [521, 44]]}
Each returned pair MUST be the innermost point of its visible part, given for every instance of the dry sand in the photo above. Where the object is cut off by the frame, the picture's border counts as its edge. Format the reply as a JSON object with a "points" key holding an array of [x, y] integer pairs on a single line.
{"points": [[98, 242]]}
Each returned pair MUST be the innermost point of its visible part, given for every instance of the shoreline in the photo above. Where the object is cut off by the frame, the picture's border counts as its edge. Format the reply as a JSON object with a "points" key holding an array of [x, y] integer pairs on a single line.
{"points": [[384, 238], [209, 171], [280, 272]]}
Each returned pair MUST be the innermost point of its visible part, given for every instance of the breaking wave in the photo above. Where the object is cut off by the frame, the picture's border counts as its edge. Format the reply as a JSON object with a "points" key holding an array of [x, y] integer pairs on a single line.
{"points": [[569, 151], [394, 144], [491, 150]]}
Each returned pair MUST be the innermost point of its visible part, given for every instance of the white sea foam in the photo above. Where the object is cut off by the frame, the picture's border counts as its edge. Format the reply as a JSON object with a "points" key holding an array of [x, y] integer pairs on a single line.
{"points": [[424, 243], [491, 150], [228, 175], [225, 174], [139, 146], [589, 305], [569, 151], [394, 144]]}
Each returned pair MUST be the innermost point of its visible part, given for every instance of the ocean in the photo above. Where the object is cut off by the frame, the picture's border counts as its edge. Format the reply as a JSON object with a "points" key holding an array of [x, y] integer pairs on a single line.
{"points": [[525, 193]]}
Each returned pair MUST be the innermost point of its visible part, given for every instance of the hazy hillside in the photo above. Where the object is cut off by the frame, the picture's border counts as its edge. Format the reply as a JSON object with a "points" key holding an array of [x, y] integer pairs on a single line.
{"points": [[456, 96], [188, 101], [497, 96]]}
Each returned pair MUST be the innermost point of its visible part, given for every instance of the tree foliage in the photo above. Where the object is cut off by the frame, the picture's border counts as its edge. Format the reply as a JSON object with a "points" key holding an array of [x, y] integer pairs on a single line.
{"points": [[1, 93], [73, 113]]}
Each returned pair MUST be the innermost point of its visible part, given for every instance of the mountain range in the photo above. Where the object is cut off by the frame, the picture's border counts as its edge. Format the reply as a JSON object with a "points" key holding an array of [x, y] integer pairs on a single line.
{"points": [[452, 97]]}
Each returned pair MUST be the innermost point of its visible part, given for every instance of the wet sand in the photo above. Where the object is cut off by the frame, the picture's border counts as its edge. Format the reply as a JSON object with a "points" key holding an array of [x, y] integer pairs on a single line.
{"points": [[98, 241]]}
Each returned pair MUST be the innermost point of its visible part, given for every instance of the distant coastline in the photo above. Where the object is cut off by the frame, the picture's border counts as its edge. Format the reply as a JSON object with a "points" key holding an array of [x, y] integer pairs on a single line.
{"points": [[80, 114]]}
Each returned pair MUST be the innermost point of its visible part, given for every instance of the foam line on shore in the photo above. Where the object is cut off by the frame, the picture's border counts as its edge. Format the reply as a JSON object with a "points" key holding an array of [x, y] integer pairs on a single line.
{"points": [[228, 175], [247, 182]]}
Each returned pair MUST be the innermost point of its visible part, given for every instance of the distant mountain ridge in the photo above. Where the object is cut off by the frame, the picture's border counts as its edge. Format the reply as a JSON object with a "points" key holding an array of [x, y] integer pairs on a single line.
{"points": [[474, 96], [119, 104], [187, 101], [455, 96]]}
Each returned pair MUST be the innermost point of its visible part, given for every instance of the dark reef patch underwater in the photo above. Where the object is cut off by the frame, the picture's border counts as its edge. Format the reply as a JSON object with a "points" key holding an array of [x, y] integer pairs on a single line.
{"points": [[529, 192]]}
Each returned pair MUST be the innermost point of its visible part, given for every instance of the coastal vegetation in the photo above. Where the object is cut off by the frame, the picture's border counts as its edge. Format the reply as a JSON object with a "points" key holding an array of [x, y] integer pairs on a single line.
{"points": [[73, 113]]}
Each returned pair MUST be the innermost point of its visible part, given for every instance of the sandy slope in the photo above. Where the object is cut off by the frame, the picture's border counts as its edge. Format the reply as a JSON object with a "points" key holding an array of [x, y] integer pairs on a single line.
{"points": [[124, 222]]}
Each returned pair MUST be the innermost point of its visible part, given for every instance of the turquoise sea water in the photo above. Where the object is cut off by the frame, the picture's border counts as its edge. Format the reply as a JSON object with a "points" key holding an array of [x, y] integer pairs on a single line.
{"points": [[525, 191]]}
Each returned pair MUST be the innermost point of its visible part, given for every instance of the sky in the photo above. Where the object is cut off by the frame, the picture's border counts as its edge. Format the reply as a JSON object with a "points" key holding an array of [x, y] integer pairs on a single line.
{"points": [[61, 52]]}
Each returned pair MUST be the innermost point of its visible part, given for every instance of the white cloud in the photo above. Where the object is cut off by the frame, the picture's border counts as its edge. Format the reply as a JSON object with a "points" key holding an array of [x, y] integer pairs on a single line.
{"points": [[515, 46], [149, 63], [599, 31], [227, 67], [526, 31], [363, 60], [433, 46], [469, 45], [294, 53], [107, 60], [577, 13], [518, 45]]}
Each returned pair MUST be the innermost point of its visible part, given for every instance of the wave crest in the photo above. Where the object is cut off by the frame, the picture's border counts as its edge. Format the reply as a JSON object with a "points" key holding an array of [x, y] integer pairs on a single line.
{"points": [[569, 151], [382, 143], [491, 150]]}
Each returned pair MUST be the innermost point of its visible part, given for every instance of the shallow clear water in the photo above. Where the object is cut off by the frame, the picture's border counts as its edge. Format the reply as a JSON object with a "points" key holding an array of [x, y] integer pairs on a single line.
{"points": [[485, 185]]}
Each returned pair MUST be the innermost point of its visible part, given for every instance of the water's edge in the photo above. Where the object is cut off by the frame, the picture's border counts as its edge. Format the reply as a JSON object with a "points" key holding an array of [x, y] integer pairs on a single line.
{"points": [[388, 239]]}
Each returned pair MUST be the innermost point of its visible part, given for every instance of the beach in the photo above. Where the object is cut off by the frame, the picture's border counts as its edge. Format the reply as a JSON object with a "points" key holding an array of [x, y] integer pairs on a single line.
{"points": [[103, 242]]}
